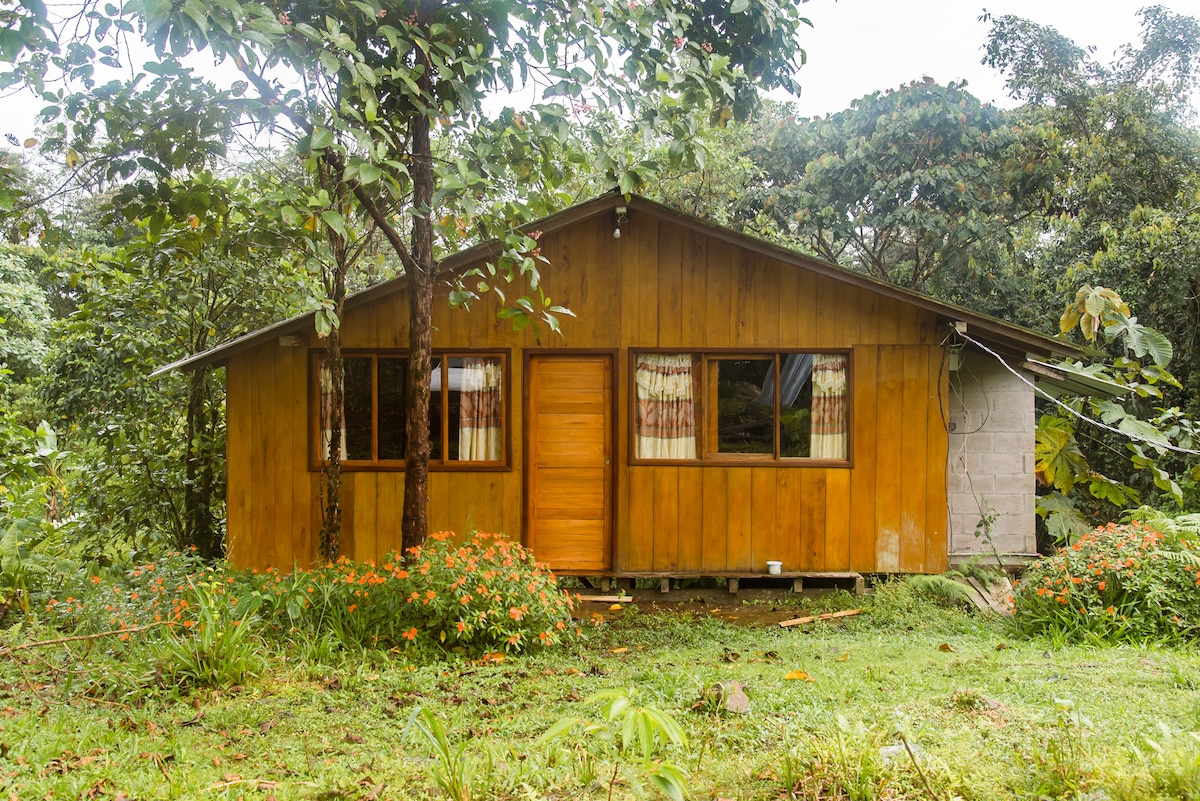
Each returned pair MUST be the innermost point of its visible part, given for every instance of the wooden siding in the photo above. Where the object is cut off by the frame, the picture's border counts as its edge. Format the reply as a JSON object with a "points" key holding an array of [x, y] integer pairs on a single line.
{"points": [[661, 285]]}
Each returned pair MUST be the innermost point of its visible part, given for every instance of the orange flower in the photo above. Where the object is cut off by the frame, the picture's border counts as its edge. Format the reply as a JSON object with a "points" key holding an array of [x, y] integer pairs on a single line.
{"points": [[411, 634], [352, 608], [1100, 586]]}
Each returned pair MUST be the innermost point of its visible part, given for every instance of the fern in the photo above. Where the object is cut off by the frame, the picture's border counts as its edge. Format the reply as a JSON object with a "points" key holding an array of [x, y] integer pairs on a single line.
{"points": [[977, 568], [1186, 558], [942, 589]]}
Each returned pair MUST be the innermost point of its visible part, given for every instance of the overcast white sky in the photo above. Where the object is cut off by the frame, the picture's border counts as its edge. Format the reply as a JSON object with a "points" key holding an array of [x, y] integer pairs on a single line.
{"points": [[861, 46]]}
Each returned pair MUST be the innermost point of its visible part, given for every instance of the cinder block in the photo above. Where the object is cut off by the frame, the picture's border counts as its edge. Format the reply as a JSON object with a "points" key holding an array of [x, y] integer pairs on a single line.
{"points": [[1013, 443], [1008, 504], [995, 463], [1022, 484], [1006, 422]]}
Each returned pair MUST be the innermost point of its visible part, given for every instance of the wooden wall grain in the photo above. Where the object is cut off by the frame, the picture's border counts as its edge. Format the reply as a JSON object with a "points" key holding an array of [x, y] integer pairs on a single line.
{"points": [[660, 285]]}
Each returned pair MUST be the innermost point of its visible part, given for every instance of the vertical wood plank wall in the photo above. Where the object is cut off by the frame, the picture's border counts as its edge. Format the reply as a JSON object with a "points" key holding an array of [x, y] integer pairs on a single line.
{"points": [[661, 285]]}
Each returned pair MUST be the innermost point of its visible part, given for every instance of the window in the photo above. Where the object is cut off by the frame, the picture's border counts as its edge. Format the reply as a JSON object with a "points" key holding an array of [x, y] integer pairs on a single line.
{"points": [[467, 398], [741, 407]]}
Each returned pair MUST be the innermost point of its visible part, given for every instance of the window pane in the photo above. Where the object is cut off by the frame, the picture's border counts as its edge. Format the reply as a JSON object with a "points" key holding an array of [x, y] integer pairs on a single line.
{"points": [[475, 409], [745, 413], [795, 405], [357, 407], [435, 410], [392, 381]]}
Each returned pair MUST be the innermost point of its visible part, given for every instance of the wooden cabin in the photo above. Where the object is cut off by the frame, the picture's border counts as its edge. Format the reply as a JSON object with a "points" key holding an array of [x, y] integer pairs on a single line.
{"points": [[717, 403]]}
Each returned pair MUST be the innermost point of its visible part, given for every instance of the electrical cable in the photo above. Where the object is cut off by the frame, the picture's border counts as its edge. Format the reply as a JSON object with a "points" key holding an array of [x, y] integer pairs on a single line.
{"points": [[1080, 415]]}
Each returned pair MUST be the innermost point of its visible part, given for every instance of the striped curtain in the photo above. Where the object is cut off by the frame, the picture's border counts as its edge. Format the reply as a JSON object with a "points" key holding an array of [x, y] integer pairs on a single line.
{"points": [[828, 407], [666, 412], [480, 407]]}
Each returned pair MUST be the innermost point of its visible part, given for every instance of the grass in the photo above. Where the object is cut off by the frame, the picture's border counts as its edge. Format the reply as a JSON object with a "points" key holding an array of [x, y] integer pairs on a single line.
{"points": [[986, 714]]}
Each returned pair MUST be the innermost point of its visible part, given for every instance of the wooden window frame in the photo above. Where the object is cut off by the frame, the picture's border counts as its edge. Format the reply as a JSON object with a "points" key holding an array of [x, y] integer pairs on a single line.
{"points": [[701, 360], [316, 458]]}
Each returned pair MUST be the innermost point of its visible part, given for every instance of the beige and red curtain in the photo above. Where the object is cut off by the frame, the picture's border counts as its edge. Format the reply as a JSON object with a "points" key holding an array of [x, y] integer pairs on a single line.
{"points": [[828, 407], [480, 434], [666, 411]]}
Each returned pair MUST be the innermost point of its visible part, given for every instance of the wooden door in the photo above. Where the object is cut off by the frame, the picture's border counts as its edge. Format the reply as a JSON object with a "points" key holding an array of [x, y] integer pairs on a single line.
{"points": [[568, 500]]}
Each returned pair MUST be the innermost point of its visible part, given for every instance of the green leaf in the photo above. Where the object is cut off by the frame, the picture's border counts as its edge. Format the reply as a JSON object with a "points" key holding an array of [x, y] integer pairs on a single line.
{"points": [[368, 173], [335, 221], [321, 139]]}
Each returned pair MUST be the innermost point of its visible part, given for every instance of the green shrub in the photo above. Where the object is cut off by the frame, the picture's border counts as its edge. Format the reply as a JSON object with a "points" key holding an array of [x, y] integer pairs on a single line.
{"points": [[162, 591], [485, 593], [217, 651], [1117, 583]]}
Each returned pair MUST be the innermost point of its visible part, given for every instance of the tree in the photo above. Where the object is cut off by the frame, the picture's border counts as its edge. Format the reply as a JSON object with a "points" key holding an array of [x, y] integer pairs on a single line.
{"points": [[1121, 449], [1123, 210], [198, 265], [360, 90], [906, 185]]}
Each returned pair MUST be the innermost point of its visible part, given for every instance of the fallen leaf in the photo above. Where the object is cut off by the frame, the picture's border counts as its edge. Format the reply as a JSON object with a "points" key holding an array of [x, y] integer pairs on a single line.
{"points": [[842, 658], [1001, 646], [574, 672], [615, 608], [356, 739], [947, 648], [620, 650], [799, 675]]}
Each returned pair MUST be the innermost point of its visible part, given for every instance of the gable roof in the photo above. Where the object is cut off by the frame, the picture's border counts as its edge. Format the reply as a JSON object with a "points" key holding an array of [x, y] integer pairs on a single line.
{"points": [[1013, 338]]}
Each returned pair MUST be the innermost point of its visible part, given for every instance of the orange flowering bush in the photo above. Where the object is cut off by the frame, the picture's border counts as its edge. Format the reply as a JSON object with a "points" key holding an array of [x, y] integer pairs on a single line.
{"points": [[1117, 583], [162, 591], [485, 593]]}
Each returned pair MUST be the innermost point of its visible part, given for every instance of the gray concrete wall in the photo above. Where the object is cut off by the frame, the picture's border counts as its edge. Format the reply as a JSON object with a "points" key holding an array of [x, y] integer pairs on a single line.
{"points": [[990, 459]]}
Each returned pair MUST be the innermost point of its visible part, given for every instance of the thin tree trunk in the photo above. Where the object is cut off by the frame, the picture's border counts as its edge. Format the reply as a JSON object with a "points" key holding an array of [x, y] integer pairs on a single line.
{"points": [[331, 467], [415, 524], [200, 528]]}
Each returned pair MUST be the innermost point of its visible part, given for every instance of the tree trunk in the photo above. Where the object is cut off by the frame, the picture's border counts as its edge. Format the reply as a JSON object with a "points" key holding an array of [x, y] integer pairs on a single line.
{"points": [[415, 524], [200, 525], [331, 466]]}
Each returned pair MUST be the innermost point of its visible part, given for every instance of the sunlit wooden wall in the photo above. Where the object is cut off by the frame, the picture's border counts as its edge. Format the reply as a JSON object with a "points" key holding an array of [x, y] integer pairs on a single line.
{"points": [[662, 284]]}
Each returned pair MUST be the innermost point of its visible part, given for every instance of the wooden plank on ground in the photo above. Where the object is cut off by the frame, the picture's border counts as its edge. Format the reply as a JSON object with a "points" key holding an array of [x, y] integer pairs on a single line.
{"points": [[800, 621]]}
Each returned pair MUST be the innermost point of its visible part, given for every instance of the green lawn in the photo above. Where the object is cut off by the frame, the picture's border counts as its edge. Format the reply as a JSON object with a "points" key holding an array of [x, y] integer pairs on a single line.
{"points": [[978, 707]]}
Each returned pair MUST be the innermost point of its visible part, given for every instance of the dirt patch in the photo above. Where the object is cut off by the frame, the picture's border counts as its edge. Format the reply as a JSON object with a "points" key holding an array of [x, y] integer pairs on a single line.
{"points": [[753, 608]]}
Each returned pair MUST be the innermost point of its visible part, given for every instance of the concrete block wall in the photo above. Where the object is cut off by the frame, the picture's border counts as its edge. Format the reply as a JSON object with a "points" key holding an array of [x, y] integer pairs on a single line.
{"points": [[991, 456]]}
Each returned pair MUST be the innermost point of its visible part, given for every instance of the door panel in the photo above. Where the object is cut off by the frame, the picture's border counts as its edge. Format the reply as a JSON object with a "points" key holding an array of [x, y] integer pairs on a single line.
{"points": [[568, 503]]}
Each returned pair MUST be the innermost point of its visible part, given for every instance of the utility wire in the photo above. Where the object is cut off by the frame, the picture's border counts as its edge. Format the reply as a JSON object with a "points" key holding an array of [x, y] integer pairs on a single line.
{"points": [[1080, 415]]}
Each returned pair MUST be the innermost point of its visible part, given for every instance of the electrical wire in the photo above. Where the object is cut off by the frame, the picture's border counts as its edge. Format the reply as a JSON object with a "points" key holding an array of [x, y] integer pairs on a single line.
{"points": [[1080, 415]]}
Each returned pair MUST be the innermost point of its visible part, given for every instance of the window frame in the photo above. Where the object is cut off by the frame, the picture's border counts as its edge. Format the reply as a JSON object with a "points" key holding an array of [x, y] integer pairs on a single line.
{"points": [[704, 396], [375, 464]]}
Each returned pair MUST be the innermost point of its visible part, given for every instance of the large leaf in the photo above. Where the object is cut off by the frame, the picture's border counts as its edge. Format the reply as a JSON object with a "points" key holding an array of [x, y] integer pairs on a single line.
{"points": [[1064, 522], [1059, 462]]}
